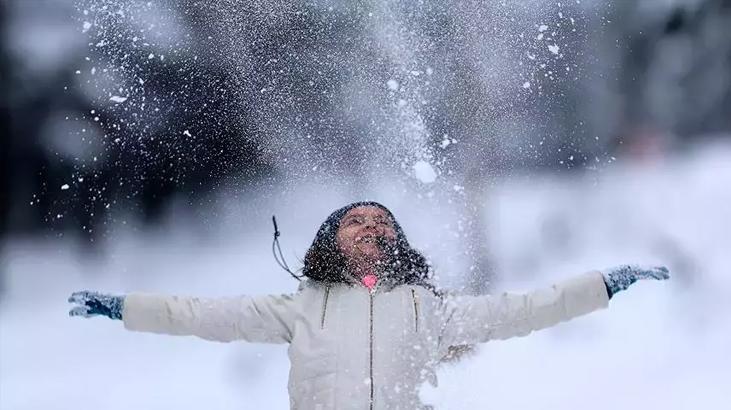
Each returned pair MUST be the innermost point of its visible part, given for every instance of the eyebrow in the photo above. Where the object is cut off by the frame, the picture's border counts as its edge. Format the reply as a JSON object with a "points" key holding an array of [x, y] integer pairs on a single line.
{"points": [[361, 215]]}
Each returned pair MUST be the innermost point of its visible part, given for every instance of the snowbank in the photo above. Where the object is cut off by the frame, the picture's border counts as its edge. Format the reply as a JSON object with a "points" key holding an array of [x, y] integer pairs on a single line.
{"points": [[660, 345]]}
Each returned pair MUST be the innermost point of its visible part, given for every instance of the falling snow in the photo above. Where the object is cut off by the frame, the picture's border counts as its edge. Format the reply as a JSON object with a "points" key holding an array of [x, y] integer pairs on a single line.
{"points": [[424, 172]]}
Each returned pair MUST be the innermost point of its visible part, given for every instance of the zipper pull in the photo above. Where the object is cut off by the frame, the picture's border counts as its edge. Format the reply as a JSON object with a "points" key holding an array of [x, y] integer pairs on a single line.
{"points": [[369, 281]]}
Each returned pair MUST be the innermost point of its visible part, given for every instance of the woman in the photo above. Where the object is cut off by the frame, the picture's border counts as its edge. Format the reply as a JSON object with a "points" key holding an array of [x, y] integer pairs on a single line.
{"points": [[366, 327]]}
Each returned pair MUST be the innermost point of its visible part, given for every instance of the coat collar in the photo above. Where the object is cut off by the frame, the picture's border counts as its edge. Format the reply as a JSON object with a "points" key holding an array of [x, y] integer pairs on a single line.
{"points": [[385, 283]]}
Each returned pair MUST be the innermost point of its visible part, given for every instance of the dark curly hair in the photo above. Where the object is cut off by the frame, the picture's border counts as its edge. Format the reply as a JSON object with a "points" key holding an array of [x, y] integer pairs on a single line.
{"points": [[325, 262]]}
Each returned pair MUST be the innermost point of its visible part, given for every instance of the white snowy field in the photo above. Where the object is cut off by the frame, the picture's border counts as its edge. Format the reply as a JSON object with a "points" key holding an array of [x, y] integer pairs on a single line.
{"points": [[659, 345]]}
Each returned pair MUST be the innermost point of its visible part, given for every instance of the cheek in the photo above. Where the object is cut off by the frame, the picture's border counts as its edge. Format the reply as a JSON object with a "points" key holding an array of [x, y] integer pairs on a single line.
{"points": [[344, 242], [339, 242], [390, 233]]}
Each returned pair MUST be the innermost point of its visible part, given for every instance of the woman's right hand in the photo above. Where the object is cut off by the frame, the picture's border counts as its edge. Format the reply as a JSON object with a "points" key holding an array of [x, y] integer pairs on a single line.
{"points": [[621, 277], [90, 304]]}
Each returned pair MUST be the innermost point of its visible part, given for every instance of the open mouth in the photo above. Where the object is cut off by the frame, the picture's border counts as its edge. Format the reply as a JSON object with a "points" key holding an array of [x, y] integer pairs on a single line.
{"points": [[367, 239]]}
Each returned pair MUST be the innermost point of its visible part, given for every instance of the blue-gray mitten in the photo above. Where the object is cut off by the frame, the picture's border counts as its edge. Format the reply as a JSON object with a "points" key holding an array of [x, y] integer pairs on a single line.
{"points": [[620, 277], [94, 303]]}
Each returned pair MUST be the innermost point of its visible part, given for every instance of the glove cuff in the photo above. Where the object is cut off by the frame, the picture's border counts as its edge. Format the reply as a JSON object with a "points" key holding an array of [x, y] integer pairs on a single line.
{"points": [[116, 307]]}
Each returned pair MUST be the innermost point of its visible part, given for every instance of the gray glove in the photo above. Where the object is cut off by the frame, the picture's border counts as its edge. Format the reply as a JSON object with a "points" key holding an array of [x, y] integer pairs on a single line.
{"points": [[94, 303], [620, 277]]}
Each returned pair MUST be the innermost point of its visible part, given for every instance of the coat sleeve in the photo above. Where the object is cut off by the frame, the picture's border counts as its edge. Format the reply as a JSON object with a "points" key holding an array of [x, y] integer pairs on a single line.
{"points": [[477, 319], [262, 319]]}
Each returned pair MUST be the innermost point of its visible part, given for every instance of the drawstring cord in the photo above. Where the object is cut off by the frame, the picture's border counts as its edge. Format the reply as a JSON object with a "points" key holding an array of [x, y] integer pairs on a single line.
{"points": [[279, 257]]}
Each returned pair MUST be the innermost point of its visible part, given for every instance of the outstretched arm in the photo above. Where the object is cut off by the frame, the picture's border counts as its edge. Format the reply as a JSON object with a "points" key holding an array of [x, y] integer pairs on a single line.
{"points": [[263, 319], [476, 319]]}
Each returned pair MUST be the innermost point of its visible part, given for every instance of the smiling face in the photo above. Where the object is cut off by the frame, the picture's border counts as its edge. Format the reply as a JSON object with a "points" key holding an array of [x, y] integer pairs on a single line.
{"points": [[358, 232]]}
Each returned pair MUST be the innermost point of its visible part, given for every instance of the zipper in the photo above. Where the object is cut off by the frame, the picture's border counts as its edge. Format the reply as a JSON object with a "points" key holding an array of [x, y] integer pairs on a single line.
{"points": [[415, 298], [324, 306], [370, 374]]}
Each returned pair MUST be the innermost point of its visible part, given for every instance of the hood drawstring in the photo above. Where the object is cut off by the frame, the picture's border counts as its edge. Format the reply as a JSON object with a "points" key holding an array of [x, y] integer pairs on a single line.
{"points": [[280, 257]]}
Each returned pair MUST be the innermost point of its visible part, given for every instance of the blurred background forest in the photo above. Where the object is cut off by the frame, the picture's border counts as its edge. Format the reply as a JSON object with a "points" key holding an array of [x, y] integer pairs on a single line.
{"points": [[129, 104], [562, 128]]}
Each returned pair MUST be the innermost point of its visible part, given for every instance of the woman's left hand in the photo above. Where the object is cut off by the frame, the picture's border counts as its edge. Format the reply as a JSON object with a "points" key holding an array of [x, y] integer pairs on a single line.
{"points": [[88, 304], [621, 277]]}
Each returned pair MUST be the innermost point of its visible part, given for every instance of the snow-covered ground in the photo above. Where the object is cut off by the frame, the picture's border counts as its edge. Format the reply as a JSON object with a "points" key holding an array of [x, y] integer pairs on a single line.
{"points": [[659, 345]]}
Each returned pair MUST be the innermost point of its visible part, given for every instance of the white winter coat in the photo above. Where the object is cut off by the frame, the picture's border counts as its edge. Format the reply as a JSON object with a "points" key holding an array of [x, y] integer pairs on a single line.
{"points": [[350, 348]]}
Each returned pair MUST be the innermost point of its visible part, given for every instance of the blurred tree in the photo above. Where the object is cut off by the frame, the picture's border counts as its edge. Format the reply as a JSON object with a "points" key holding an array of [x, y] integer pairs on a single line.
{"points": [[180, 137], [5, 128], [673, 71]]}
